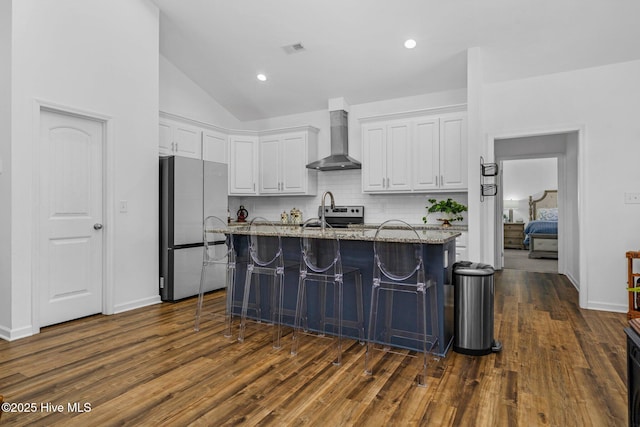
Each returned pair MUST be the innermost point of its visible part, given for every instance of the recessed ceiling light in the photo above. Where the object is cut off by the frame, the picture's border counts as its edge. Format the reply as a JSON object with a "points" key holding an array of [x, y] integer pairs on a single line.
{"points": [[410, 44], [261, 77]]}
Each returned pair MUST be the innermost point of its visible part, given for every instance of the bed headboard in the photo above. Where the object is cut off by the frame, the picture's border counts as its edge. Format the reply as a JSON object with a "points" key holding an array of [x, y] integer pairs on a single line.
{"points": [[549, 199]]}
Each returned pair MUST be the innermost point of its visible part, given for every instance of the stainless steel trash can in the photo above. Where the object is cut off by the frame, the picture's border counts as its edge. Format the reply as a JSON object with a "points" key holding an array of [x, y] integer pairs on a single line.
{"points": [[473, 309]]}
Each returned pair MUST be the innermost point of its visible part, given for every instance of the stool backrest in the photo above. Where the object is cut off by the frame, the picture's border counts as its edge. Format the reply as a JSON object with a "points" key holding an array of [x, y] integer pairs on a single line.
{"points": [[217, 245], [265, 249], [320, 253], [398, 261]]}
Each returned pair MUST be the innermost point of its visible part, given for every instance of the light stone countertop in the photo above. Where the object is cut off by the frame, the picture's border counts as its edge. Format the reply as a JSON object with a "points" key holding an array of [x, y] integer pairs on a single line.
{"points": [[435, 236], [454, 227]]}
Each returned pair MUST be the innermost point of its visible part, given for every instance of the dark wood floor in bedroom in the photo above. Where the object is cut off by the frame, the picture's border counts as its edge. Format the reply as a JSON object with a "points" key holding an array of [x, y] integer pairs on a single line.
{"points": [[560, 366]]}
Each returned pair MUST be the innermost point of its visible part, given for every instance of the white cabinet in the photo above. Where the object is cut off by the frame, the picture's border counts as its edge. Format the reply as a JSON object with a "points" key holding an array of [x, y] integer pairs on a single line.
{"points": [[386, 157], [461, 246], [440, 147], [180, 139], [426, 162], [283, 158], [417, 153], [214, 146], [453, 152], [260, 162], [243, 164]]}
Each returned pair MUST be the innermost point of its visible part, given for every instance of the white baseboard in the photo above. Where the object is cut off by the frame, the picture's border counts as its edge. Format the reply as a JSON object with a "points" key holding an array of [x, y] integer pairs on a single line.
{"points": [[132, 305], [573, 281], [15, 334], [604, 306]]}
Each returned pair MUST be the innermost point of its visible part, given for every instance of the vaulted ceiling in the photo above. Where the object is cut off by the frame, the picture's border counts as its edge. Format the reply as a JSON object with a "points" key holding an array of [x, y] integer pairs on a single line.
{"points": [[354, 48]]}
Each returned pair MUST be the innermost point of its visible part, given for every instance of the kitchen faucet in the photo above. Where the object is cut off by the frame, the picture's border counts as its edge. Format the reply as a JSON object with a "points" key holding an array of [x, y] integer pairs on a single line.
{"points": [[333, 205]]}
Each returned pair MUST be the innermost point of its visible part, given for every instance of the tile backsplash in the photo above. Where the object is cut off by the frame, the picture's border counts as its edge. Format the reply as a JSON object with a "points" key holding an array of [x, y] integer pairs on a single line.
{"points": [[346, 187]]}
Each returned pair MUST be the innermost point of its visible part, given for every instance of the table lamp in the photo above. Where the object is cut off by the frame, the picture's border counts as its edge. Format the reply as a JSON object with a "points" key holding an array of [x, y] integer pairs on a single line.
{"points": [[511, 205]]}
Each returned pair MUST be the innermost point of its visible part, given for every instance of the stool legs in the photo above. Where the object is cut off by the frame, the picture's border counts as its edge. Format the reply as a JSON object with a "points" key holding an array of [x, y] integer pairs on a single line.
{"points": [[337, 317], [277, 302], [277, 284], [338, 298], [231, 286], [360, 308], [422, 328], [421, 325], [295, 337], [373, 314], [203, 274]]}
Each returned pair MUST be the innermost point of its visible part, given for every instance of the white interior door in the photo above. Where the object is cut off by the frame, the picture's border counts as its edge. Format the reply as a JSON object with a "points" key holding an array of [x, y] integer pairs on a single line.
{"points": [[70, 276]]}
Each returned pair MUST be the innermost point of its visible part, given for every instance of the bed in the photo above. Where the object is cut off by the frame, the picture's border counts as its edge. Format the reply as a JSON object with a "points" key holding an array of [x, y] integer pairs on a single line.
{"points": [[541, 233]]}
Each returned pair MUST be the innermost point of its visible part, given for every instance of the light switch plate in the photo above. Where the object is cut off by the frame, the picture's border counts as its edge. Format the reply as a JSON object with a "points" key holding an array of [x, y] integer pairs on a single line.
{"points": [[631, 198], [124, 206]]}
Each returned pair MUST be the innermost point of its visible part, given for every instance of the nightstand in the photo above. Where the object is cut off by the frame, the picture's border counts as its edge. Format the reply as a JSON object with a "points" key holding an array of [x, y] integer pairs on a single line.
{"points": [[514, 235]]}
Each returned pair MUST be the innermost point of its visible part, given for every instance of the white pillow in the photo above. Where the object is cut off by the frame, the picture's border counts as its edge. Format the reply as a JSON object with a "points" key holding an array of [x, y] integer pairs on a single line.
{"points": [[547, 214]]}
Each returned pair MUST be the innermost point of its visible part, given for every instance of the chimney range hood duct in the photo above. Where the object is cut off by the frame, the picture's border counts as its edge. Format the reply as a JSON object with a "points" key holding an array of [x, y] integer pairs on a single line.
{"points": [[339, 158]]}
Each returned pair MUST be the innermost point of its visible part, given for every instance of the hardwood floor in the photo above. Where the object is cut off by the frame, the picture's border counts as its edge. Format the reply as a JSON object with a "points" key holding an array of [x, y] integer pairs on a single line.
{"points": [[559, 366]]}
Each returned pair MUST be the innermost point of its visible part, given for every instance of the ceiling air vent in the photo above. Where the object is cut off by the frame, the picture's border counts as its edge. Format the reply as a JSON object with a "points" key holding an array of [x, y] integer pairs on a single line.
{"points": [[294, 48]]}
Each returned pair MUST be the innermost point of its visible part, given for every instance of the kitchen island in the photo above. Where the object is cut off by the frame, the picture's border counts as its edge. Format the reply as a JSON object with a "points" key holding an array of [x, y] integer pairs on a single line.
{"points": [[356, 245]]}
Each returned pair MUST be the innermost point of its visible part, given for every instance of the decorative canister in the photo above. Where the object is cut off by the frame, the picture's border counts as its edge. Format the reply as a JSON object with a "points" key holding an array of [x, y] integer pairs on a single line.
{"points": [[284, 217], [296, 216]]}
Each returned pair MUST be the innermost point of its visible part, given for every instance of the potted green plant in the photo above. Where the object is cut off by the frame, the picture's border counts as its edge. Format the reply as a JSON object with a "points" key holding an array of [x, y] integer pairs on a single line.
{"points": [[451, 209]]}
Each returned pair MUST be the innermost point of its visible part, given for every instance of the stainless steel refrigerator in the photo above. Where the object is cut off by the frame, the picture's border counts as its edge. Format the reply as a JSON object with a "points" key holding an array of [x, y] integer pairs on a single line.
{"points": [[190, 190]]}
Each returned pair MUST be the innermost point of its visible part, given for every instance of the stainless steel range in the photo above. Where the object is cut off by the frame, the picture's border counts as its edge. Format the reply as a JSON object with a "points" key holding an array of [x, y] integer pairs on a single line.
{"points": [[342, 216]]}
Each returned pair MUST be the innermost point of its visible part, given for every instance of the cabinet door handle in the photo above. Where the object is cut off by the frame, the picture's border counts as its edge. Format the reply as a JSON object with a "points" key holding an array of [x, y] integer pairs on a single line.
{"points": [[441, 180], [383, 182], [436, 180]]}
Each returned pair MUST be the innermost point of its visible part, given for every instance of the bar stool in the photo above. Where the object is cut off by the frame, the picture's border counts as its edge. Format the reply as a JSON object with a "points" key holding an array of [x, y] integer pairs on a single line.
{"points": [[322, 264], [265, 258], [218, 253], [399, 268]]}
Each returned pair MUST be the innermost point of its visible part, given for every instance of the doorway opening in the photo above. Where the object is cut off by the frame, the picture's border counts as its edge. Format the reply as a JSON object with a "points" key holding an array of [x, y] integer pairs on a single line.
{"points": [[563, 146], [525, 180]]}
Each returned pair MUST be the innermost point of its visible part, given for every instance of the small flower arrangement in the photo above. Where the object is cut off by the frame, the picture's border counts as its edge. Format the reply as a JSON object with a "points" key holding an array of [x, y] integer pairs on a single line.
{"points": [[450, 208]]}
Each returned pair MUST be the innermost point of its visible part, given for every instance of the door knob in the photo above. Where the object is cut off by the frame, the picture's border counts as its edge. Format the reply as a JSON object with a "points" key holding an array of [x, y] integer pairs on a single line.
{"points": [[97, 226]]}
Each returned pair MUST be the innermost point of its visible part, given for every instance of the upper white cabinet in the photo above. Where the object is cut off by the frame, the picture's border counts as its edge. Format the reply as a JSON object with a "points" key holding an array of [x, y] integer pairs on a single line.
{"points": [[387, 154], [243, 164], [283, 156], [440, 148], [271, 162], [180, 139], [215, 146], [415, 152]]}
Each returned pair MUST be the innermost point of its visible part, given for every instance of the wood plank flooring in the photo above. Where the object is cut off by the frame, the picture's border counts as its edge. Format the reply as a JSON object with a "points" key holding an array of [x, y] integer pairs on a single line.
{"points": [[560, 366]]}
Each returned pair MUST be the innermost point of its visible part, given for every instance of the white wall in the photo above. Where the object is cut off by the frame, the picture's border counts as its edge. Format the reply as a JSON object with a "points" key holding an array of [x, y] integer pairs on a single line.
{"points": [[604, 102], [569, 212], [99, 56], [527, 177], [5, 165], [481, 209], [182, 96], [347, 185]]}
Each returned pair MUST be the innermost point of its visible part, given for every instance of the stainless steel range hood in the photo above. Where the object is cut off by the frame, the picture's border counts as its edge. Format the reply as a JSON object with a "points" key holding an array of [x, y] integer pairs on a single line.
{"points": [[339, 158]]}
